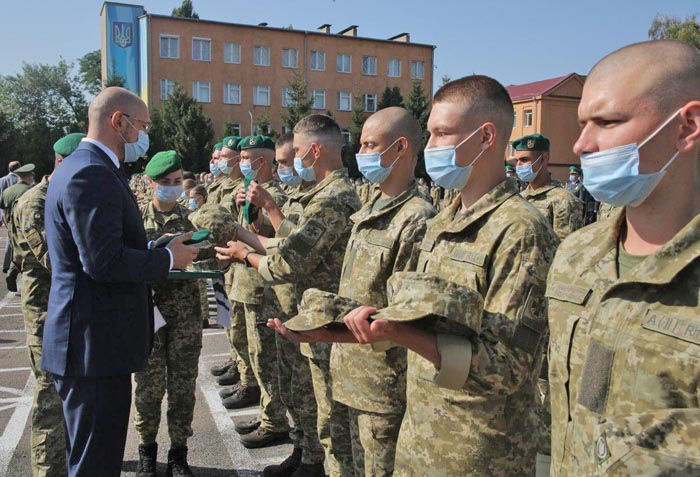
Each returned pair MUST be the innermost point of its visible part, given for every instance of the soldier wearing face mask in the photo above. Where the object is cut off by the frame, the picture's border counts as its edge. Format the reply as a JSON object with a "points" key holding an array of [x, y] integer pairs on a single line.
{"points": [[173, 362], [217, 177], [563, 211]]}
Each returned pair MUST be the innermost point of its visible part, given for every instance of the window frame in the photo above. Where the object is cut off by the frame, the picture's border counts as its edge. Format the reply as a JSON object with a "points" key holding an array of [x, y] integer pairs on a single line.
{"points": [[256, 90], [269, 54], [168, 37], [388, 68], [239, 54], [349, 93], [311, 57], [313, 96], [228, 93], [337, 66], [528, 117], [296, 57], [163, 96], [364, 101], [196, 83], [368, 57], [416, 63], [206, 40]]}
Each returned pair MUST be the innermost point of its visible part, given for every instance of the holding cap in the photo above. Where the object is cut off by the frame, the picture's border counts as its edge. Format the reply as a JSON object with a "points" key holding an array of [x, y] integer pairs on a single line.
{"points": [[532, 142], [67, 145], [256, 142], [162, 164]]}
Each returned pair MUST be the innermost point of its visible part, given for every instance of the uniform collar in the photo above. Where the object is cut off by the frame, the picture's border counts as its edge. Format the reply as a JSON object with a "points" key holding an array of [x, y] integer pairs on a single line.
{"points": [[112, 156], [305, 196], [542, 190], [366, 213]]}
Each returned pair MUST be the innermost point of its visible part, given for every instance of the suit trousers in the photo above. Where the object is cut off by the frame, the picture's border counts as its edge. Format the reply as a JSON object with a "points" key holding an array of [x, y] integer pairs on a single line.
{"points": [[96, 412]]}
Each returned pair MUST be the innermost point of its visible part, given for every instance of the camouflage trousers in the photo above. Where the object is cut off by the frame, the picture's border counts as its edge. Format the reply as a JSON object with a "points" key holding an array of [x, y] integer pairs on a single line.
{"points": [[335, 440], [295, 382], [373, 437], [263, 359], [172, 366], [238, 339], [48, 454], [203, 298]]}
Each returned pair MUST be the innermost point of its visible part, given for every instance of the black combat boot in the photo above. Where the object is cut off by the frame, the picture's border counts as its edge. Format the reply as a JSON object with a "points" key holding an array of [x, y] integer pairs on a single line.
{"points": [[244, 396], [286, 468], [220, 369], [247, 426], [263, 437], [148, 458], [309, 470], [229, 391], [177, 463], [229, 378]]}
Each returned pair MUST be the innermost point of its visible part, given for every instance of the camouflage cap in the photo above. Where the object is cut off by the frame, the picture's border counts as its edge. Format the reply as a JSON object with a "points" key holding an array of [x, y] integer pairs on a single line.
{"points": [[414, 295], [218, 220], [319, 308]]}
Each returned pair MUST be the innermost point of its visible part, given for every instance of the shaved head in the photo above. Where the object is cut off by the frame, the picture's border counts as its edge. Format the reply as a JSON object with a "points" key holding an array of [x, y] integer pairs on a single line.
{"points": [[396, 122], [115, 99], [663, 74]]}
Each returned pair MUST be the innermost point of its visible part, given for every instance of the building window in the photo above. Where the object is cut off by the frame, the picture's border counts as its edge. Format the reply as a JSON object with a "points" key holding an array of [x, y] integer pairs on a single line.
{"points": [[232, 93], [528, 118], [232, 129], [344, 63], [515, 118], [417, 70], [169, 46], [261, 96], [232, 53], [166, 88], [286, 129], [318, 61], [290, 58], [511, 151], [201, 49], [319, 97], [394, 68], [261, 56], [344, 101], [369, 65], [347, 137], [287, 99], [370, 101], [201, 91]]}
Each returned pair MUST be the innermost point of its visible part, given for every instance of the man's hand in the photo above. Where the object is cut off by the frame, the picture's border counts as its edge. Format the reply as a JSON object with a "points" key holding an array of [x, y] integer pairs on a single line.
{"points": [[183, 255], [368, 332], [259, 197], [240, 195], [233, 252], [310, 336]]}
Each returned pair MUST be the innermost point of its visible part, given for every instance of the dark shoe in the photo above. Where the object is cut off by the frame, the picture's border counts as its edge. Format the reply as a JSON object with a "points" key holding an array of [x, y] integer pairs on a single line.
{"points": [[230, 391], [177, 463], [245, 396], [231, 376], [262, 437], [247, 426], [11, 283], [220, 369], [309, 470], [286, 468], [205, 323], [148, 458]]}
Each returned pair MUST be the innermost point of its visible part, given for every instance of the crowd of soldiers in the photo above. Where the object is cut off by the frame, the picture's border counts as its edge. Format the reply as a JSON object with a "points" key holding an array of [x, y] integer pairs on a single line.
{"points": [[466, 327]]}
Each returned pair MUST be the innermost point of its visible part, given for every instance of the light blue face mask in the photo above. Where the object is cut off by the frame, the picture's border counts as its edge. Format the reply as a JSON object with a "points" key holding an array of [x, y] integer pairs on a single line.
{"points": [[612, 176], [223, 166], [247, 169], [134, 150], [287, 176], [370, 165], [214, 169], [306, 173], [441, 167], [168, 193], [192, 203], [525, 172]]}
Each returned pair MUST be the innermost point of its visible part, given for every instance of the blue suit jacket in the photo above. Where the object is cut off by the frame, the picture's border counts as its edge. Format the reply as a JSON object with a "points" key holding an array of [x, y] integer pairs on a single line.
{"points": [[99, 320]]}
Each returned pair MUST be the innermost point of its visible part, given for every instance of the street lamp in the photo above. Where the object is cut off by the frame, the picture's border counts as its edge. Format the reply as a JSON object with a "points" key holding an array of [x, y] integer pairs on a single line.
{"points": [[251, 122]]}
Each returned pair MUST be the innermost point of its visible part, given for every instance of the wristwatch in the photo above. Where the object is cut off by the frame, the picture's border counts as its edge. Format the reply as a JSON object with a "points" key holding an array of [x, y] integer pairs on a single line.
{"points": [[245, 258]]}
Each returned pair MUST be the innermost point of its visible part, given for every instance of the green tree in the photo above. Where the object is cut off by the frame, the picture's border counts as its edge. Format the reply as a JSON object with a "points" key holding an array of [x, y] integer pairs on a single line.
{"points": [[666, 27], [231, 129], [8, 142], [358, 119], [181, 125], [185, 10], [43, 103], [90, 69], [391, 97], [445, 79], [263, 125], [300, 101], [419, 107]]}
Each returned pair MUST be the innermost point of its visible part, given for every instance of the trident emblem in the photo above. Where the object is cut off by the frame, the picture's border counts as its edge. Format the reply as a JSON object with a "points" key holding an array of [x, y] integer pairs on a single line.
{"points": [[122, 34]]}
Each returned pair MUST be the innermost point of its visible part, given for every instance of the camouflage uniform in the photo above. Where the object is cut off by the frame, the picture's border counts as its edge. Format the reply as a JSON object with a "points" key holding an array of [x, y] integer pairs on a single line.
{"points": [[26, 227], [372, 385], [260, 303], [563, 211], [502, 248], [173, 363], [625, 355], [605, 211], [435, 196], [310, 256], [213, 189]]}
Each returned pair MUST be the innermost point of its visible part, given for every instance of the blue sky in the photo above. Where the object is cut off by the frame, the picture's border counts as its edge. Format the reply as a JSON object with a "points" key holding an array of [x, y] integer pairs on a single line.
{"points": [[497, 38]]}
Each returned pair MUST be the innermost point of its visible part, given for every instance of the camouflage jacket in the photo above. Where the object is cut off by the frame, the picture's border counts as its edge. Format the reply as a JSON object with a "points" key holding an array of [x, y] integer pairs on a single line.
{"points": [[316, 230], [226, 194], [213, 190], [247, 285], [382, 242], [605, 211], [170, 294], [625, 356], [563, 210], [30, 255], [501, 247]]}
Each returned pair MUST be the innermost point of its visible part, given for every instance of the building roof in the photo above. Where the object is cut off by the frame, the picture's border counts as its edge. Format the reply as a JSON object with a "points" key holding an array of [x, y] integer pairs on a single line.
{"points": [[537, 88]]}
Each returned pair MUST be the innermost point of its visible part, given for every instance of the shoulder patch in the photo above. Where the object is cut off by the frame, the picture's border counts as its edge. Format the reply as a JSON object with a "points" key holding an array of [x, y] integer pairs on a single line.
{"points": [[567, 292], [672, 326]]}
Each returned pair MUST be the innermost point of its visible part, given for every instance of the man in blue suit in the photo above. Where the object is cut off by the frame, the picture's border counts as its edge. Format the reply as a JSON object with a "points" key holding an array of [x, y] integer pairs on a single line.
{"points": [[99, 327]]}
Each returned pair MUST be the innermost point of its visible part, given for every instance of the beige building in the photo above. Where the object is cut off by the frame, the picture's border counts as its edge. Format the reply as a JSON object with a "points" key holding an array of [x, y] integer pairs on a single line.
{"points": [[241, 73], [549, 107]]}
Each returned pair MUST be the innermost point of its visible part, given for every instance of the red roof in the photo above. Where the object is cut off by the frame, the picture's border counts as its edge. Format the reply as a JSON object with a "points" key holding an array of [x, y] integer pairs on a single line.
{"points": [[528, 90]]}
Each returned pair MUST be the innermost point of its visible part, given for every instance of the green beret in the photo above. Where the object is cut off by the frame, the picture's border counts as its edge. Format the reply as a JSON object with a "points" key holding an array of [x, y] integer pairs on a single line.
{"points": [[231, 142], [25, 169], [575, 169], [162, 164], [509, 167], [67, 145], [533, 142], [256, 142], [218, 146]]}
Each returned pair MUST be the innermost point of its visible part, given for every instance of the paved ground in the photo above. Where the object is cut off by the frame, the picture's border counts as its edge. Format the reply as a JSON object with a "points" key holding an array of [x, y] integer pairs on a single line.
{"points": [[214, 451]]}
